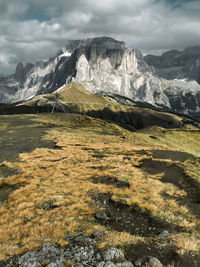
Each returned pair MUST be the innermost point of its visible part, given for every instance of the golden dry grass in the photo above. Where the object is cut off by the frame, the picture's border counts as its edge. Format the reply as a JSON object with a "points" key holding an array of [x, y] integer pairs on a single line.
{"points": [[185, 243], [62, 177], [72, 93]]}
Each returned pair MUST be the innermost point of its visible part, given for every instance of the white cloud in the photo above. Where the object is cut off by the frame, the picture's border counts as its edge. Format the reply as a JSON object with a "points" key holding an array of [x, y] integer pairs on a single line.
{"points": [[76, 19], [35, 29]]}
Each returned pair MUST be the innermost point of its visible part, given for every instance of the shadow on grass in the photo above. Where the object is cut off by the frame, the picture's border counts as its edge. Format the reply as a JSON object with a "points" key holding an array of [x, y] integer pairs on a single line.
{"points": [[171, 173], [130, 219]]}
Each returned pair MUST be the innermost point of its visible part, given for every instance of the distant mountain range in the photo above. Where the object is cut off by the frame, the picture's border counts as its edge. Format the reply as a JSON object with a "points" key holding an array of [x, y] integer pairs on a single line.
{"points": [[105, 66]]}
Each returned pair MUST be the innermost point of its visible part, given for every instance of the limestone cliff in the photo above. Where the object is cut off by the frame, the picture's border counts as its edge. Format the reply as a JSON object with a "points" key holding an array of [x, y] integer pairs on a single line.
{"points": [[105, 66]]}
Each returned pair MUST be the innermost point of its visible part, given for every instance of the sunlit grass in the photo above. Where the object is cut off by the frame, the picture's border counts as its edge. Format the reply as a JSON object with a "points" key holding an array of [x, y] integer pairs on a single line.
{"points": [[63, 177]]}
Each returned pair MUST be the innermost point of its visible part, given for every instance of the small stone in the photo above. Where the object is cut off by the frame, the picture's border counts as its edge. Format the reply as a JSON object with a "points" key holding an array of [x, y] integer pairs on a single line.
{"points": [[45, 262], [98, 234], [124, 264], [101, 216], [101, 264], [52, 264], [163, 234], [98, 257], [48, 205], [109, 264], [80, 239], [154, 262], [138, 263], [113, 254]]}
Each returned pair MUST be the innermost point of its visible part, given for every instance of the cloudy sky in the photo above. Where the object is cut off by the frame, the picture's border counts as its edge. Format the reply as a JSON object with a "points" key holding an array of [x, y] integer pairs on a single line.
{"points": [[31, 30]]}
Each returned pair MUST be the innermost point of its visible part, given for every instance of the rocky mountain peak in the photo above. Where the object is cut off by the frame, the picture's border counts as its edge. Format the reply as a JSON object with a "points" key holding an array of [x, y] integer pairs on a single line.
{"points": [[100, 42], [175, 64], [192, 50], [19, 72], [103, 63], [106, 66], [105, 42], [28, 67]]}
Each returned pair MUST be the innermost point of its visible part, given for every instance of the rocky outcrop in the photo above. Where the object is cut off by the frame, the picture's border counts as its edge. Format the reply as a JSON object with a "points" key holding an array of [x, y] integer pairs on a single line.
{"points": [[19, 73], [105, 66], [177, 65], [81, 251]]}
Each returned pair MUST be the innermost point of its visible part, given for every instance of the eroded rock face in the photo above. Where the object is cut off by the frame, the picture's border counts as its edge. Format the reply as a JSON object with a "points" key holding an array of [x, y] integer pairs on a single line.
{"points": [[177, 65], [107, 70], [19, 73], [105, 66]]}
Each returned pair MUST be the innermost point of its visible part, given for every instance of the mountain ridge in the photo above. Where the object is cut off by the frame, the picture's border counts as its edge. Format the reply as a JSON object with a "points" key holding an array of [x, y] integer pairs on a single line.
{"points": [[105, 65]]}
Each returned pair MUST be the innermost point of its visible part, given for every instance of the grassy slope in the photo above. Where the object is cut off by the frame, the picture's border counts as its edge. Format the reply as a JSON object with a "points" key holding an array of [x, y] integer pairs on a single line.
{"points": [[76, 99], [91, 148], [72, 93]]}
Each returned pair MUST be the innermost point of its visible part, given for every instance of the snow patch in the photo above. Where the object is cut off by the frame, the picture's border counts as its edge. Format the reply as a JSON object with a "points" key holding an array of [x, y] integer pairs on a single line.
{"points": [[65, 54]]}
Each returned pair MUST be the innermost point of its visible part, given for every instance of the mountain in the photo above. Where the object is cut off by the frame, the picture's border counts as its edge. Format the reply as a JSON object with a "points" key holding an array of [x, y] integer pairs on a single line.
{"points": [[106, 66], [177, 65], [184, 67]]}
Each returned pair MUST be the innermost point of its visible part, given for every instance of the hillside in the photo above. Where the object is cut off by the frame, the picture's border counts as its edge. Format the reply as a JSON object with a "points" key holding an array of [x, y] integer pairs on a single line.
{"points": [[97, 192], [71, 93], [74, 98]]}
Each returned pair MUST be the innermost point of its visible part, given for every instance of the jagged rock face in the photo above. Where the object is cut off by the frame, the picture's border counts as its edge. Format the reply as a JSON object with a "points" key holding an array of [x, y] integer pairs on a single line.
{"points": [[177, 65], [19, 73], [105, 66], [8, 88]]}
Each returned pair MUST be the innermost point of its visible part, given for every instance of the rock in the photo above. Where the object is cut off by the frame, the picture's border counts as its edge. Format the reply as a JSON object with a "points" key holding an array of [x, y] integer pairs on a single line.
{"points": [[113, 254], [28, 67], [138, 263], [101, 264], [163, 234], [81, 255], [101, 216], [50, 249], [29, 259], [124, 264], [60, 262], [48, 205], [98, 234], [83, 239], [54, 265], [37, 257], [98, 257], [154, 262], [174, 64], [109, 264], [19, 73]]}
